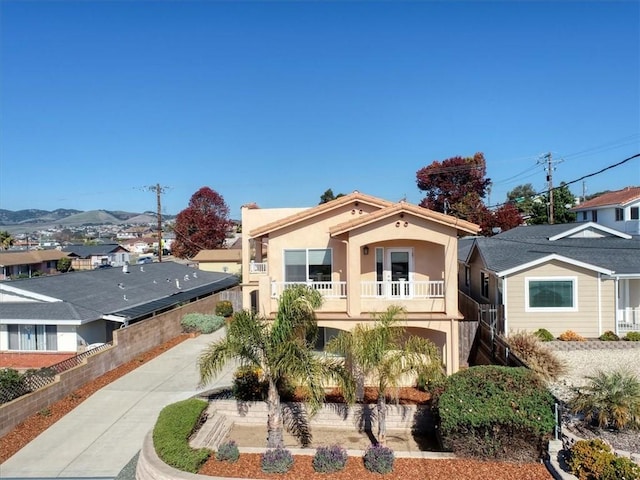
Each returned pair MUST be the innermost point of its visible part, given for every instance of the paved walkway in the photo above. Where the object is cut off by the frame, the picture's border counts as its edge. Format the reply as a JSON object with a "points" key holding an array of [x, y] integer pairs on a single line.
{"points": [[100, 436]]}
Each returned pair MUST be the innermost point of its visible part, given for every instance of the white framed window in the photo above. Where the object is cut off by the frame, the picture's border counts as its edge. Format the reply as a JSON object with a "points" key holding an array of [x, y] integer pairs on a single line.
{"points": [[33, 337], [304, 264], [634, 213], [551, 294], [619, 214]]}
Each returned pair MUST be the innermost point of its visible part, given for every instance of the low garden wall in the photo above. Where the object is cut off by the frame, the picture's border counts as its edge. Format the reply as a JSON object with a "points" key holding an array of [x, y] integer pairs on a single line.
{"points": [[128, 343]]}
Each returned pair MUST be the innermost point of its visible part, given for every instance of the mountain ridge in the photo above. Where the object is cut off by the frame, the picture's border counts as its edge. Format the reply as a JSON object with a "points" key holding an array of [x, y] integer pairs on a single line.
{"points": [[68, 217]]}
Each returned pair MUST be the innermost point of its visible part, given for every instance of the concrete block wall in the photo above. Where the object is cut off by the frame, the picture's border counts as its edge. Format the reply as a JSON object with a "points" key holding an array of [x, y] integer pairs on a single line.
{"points": [[128, 343]]}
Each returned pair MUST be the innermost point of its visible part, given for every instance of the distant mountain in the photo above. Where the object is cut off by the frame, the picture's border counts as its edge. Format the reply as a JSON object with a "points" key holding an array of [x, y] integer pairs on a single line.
{"points": [[34, 217]]}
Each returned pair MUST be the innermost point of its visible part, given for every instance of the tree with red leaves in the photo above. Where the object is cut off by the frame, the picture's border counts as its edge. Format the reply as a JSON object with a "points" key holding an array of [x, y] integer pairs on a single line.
{"points": [[456, 186], [202, 225], [504, 218]]}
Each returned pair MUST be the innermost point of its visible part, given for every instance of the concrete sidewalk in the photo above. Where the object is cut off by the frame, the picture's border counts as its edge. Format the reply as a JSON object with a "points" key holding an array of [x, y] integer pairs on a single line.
{"points": [[100, 436]]}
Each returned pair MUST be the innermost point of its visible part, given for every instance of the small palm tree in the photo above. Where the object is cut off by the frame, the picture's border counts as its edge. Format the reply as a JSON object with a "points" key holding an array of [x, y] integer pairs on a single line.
{"points": [[610, 398], [6, 240], [282, 349], [383, 354]]}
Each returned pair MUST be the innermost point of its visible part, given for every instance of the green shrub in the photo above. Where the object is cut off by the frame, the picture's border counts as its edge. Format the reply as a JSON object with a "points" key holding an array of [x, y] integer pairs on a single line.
{"points": [[610, 399], [632, 337], [542, 360], [378, 459], [544, 335], [609, 336], [175, 424], [329, 459], [625, 469], [224, 308], [494, 412], [228, 452], [200, 322], [248, 385], [589, 459], [276, 460]]}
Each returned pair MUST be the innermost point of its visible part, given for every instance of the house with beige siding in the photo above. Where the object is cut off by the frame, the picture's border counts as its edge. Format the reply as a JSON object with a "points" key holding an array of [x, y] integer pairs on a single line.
{"points": [[363, 254], [226, 260], [581, 277]]}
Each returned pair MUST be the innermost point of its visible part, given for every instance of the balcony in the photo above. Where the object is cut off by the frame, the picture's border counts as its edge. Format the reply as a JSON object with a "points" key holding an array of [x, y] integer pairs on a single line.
{"points": [[402, 289], [259, 268]]}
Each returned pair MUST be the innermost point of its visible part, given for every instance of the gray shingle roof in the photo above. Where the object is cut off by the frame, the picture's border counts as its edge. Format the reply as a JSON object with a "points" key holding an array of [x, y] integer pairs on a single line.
{"points": [[87, 251], [522, 245], [110, 291]]}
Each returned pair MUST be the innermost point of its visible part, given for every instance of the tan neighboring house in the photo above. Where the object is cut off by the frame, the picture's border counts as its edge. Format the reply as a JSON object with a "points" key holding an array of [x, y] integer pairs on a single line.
{"points": [[581, 277], [225, 260], [363, 254], [14, 264]]}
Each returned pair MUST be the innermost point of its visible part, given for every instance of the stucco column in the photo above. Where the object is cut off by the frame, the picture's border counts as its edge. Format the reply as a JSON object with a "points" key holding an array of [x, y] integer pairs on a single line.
{"points": [[353, 279]]}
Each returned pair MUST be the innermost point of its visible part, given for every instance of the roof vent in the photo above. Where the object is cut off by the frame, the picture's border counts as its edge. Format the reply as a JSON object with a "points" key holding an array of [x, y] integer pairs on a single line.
{"points": [[186, 278], [125, 298], [141, 268], [125, 268], [121, 285], [195, 275], [177, 283]]}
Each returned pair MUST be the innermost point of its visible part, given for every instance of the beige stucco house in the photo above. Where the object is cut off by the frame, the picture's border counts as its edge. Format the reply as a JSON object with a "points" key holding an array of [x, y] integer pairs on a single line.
{"points": [[363, 253], [580, 277], [225, 260]]}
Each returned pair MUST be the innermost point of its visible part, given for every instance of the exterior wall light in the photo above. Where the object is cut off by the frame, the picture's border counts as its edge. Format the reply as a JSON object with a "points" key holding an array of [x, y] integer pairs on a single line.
{"points": [[365, 250]]}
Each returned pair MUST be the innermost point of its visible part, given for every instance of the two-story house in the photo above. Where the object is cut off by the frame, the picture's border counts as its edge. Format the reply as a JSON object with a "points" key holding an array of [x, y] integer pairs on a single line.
{"points": [[619, 209], [364, 254]]}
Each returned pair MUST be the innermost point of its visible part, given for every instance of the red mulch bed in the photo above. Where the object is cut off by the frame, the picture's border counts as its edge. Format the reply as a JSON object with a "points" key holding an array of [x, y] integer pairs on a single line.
{"points": [[248, 466], [34, 425]]}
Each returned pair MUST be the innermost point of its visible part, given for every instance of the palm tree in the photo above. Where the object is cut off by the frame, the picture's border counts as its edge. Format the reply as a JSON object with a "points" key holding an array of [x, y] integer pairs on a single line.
{"points": [[612, 399], [382, 354], [282, 349], [6, 240]]}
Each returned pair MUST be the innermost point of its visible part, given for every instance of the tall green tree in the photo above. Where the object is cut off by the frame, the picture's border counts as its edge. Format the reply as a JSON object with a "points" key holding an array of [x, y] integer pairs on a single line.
{"points": [[203, 225], [522, 197], [563, 200], [63, 265], [282, 350], [384, 354], [6, 240], [328, 195]]}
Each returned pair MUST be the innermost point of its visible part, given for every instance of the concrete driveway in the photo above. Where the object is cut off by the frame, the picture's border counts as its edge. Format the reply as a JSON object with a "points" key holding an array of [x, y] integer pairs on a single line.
{"points": [[100, 436]]}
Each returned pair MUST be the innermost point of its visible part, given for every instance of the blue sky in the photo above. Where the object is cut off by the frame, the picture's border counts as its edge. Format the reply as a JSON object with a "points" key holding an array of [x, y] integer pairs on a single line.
{"points": [[274, 102]]}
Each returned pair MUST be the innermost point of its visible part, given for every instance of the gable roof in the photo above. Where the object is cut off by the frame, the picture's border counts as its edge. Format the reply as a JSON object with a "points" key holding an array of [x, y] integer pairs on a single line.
{"points": [[401, 208], [354, 197], [618, 198], [386, 209], [88, 251], [111, 292], [526, 246], [30, 257]]}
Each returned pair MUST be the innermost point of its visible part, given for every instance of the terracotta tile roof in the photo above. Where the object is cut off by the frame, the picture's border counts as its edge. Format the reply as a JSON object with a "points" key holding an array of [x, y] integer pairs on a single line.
{"points": [[219, 255], [320, 209], [618, 197], [404, 207], [30, 257]]}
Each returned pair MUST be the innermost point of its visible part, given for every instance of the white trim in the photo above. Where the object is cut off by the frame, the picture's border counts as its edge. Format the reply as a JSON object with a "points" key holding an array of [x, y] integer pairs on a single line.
{"points": [[585, 226], [600, 332], [505, 304], [114, 318], [21, 321], [527, 308], [554, 256], [27, 294]]}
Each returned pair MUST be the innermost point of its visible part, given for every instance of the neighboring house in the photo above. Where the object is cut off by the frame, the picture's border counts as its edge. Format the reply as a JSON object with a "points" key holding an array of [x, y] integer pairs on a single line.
{"points": [[28, 263], [619, 210], [88, 257], [140, 245], [363, 254], [226, 260], [581, 277], [65, 312]]}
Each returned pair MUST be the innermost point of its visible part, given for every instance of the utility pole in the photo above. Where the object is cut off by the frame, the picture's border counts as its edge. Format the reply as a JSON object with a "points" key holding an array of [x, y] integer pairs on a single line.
{"points": [[159, 191], [548, 159]]}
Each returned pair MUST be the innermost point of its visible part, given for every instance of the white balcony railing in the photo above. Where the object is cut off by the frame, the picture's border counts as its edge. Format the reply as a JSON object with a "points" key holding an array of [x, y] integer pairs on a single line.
{"points": [[328, 289], [628, 320], [258, 267], [400, 289]]}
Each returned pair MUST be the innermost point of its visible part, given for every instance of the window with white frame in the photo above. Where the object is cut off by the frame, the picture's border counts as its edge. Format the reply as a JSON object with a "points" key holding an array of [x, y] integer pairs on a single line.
{"points": [[619, 214], [302, 265], [484, 284], [551, 293], [33, 337], [634, 213]]}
